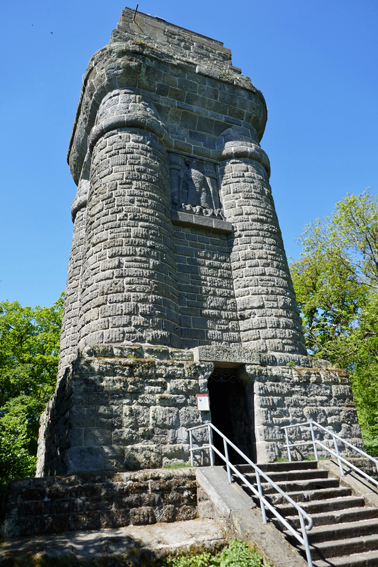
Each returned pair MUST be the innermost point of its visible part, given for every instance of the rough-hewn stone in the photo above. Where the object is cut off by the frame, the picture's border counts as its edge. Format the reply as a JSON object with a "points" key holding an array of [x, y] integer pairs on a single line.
{"points": [[127, 413], [176, 246], [176, 241], [92, 502]]}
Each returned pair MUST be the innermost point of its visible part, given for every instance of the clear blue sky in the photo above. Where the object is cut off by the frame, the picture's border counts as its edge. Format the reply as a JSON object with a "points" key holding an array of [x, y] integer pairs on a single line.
{"points": [[316, 63]]}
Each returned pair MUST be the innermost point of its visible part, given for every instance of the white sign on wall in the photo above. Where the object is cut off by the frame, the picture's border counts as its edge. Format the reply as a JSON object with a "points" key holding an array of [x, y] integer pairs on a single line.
{"points": [[203, 403]]}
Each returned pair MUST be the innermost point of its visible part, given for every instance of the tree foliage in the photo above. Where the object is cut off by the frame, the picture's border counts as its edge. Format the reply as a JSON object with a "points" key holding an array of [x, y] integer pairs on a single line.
{"points": [[29, 352], [336, 283]]}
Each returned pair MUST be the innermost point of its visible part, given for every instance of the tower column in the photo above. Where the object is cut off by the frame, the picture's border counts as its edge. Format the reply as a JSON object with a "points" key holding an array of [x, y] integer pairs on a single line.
{"points": [[267, 310], [129, 281]]}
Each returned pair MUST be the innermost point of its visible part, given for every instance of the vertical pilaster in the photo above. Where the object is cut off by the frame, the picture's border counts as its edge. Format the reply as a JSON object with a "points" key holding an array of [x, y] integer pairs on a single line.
{"points": [[70, 323], [267, 310], [129, 283]]}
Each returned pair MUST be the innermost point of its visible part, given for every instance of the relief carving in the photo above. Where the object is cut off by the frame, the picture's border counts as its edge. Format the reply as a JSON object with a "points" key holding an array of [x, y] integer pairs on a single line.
{"points": [[194, 186]]}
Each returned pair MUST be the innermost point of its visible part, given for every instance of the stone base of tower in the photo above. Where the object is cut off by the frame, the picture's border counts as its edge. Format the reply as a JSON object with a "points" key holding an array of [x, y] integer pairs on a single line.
{"points": [[123, 408]]}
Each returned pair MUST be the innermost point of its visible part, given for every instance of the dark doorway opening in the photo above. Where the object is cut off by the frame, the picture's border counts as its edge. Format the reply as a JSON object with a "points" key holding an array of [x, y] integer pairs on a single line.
{"points": [[229, 413]]}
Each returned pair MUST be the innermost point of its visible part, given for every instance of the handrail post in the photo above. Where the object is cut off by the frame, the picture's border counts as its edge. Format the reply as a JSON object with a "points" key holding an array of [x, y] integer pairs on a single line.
{"points": [[263, 511], [191, 448], [338, 455], [287, 443], [314, 441], [211, 445], [227, 461], [305, 540]]}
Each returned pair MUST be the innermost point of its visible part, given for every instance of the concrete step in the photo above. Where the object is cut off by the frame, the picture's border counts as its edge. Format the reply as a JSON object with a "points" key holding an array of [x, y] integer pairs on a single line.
{"points": [[310, 495], [319, 506], [300, 486], [343, 547], [343, 531], [279, 467], [289, 476], [338, 517], [367, 559]]}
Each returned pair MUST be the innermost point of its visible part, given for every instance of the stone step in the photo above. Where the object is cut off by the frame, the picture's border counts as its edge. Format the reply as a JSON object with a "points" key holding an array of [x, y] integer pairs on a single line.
{"points": [[288, 476], [338, 517], [308, 496], [341, 531], [345, 531], [279, 467], [96, 501], [301, 486], [328, 505], [367, 559], [342, 547]]}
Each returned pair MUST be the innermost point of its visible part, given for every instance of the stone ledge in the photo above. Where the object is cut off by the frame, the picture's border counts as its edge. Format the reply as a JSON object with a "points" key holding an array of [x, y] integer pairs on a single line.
{"points": [[136, 351], [225, 356], [202, 223], [237, 355]]}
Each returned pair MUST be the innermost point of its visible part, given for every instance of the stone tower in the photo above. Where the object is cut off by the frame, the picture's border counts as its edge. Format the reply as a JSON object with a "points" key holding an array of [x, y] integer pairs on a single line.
{"points": [[177, 265]]}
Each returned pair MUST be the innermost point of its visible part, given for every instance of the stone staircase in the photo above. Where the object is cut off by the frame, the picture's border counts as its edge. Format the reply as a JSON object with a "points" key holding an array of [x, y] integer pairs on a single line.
{"points": [[87, 502], [345, 529]]}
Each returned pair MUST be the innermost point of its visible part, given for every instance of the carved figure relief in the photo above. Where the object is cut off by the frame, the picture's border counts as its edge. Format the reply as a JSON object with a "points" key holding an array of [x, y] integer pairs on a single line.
{"points": [[194, 186]]}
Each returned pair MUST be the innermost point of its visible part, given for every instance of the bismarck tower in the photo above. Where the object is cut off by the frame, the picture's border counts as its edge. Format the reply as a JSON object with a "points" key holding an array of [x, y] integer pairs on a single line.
{"points": [[178, 282]]}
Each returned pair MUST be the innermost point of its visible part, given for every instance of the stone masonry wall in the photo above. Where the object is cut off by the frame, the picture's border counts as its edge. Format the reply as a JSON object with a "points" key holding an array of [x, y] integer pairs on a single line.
{"points": [[207, 304], [70, 325], [122, 408], [286, 396], [167, 133], [268, 316], [129, 289], [92, 502], [128, 408], [196, 101], [285, 390]]}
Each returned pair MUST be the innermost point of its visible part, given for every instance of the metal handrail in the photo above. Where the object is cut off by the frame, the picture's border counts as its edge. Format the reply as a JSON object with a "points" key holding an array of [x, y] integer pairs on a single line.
{"points": [[335, 453], [264, 503]]}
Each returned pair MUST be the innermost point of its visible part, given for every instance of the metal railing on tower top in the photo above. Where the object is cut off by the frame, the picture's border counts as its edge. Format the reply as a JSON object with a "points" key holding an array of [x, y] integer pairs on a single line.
{"points": [[257, 490]]}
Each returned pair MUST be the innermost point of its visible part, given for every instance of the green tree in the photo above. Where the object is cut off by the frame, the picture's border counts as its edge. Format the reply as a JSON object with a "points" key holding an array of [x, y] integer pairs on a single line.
{"points": [[29, 352], [336, 283]]}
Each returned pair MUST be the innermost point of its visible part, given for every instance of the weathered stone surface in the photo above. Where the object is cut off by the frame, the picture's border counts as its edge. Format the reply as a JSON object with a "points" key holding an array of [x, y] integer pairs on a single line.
{"points": [[134, 546], [97, 501], [114, 414], [176, 246], [176, 241], [289, 395]]}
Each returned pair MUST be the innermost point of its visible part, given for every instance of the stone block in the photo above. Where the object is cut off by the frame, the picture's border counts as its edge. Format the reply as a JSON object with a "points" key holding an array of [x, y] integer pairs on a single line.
{"points": [[166, 417], [84, 459], [142, 457], [170, 400]]}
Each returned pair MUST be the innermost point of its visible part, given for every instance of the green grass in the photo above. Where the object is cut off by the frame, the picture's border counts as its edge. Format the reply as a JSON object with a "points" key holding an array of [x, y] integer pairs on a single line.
{"points": [[178, 466]]}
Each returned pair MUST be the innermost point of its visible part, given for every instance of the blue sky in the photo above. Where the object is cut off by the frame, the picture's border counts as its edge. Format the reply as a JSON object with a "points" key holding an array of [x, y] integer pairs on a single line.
{"points": [[316, 63]]}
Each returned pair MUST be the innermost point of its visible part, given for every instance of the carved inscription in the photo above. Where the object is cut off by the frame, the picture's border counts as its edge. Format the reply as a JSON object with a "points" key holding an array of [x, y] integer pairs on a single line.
{"points": [[194, 186]]}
